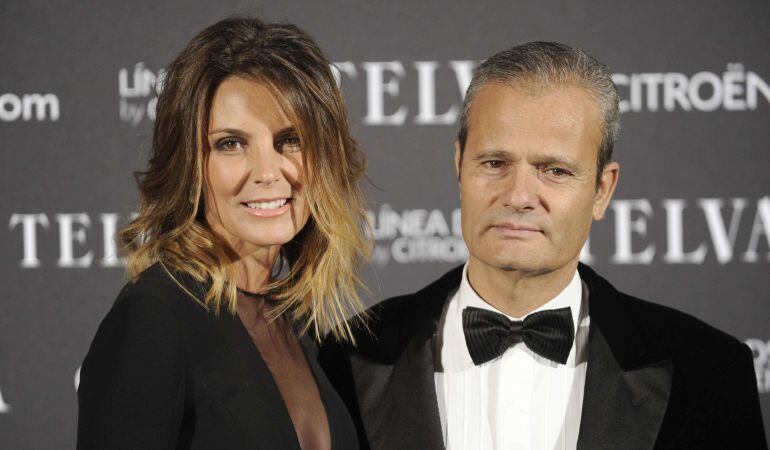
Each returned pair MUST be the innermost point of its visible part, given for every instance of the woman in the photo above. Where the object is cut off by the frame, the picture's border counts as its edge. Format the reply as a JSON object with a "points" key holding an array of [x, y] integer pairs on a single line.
{"points": [[249, 237]]}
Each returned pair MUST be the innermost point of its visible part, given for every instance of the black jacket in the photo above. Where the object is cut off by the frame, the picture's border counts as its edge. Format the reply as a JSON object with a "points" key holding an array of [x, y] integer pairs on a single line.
{"points": [[656, 377], [163, 373]]}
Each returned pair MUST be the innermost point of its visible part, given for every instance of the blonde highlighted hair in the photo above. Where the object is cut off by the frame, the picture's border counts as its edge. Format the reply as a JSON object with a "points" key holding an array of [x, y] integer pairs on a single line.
{"points": [[320, 290]]}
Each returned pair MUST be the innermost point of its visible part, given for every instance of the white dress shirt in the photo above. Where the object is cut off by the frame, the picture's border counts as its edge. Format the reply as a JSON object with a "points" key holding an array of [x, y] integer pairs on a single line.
{"points": [[519, 400]]}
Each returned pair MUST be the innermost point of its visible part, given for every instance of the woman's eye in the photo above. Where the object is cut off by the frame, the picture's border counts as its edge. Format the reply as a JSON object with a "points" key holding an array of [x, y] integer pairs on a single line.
{"points": [[229, 144], [289, 144]]}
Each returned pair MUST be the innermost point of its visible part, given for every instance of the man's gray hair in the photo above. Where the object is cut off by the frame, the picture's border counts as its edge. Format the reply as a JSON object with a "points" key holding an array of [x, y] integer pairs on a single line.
{"points": [[546, 64]]}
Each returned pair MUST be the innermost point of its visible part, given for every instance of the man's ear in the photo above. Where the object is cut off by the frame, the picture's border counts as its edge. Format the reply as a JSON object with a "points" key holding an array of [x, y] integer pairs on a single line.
{"points": [[607, 183], [458, 159]]}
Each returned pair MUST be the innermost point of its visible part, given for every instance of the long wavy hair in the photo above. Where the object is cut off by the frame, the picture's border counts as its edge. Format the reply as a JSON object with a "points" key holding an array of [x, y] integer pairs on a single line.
{"points": [[320, 290]]}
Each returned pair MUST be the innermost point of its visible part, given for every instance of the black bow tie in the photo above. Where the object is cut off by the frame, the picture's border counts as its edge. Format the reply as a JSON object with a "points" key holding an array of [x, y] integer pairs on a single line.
{"points": [[489, 334]]}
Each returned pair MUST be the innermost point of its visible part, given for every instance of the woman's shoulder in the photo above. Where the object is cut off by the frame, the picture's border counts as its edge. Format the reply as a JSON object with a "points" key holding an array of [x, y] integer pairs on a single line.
{"points": [[160, 290]]}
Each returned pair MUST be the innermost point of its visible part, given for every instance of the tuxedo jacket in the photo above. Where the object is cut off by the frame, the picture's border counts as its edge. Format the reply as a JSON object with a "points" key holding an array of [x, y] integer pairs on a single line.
{"points": [[656, 377], [165, 373]]}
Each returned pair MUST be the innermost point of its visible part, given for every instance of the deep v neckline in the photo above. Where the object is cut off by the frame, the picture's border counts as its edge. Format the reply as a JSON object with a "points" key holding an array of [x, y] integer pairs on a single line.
{"points": [[248, 339]]}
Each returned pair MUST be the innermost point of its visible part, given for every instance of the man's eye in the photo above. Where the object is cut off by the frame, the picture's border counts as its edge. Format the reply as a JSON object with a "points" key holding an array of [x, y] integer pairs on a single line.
{"points": [[289, 144], [494, 164], [558, 172], [229, 144]]}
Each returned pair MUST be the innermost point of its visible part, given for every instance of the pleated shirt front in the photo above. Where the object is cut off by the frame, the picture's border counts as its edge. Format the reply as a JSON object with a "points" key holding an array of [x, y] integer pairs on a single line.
{"points": [[519, 400]]}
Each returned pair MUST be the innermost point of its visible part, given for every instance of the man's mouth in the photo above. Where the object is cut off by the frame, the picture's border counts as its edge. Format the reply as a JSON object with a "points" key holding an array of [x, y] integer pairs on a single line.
{"points": [[516, 230], [512, 226]]}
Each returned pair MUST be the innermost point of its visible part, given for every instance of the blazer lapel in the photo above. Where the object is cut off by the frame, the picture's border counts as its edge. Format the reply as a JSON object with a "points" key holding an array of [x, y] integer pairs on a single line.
{"points": [[398, 402], [626, 392], [394, 378], [230, 368], [237, 376], [621, 409]]}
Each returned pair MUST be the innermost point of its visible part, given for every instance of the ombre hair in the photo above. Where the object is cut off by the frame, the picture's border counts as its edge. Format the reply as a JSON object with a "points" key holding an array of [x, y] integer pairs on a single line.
{"points": [[320, 288]]}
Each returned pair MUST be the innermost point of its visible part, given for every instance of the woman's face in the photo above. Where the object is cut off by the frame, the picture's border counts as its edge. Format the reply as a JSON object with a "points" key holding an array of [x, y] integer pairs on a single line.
{"points": [[254, 173]]}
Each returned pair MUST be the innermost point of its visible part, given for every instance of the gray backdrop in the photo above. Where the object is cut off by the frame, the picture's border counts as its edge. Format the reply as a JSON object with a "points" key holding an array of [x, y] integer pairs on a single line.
{"points": [[689, 227]]}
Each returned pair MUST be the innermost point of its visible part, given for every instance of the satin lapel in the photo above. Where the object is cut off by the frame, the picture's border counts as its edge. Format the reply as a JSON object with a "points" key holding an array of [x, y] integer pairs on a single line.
{"points": [[398, 401], [238, 378], [394, 378], [621, 409]]}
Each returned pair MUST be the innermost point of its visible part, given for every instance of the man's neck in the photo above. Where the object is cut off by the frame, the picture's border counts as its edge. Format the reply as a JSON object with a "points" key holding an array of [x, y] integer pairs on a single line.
{"points": [[515, 292]]}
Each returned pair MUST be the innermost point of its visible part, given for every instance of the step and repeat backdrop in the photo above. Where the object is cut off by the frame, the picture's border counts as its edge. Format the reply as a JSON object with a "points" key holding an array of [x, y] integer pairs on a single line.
{"points": [[689, 226]]}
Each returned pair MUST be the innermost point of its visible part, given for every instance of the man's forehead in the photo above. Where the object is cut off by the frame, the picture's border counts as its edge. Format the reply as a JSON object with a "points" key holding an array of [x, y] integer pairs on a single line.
{"points": [[529, 91], [555, 103], [547, 124], [552, 109]]}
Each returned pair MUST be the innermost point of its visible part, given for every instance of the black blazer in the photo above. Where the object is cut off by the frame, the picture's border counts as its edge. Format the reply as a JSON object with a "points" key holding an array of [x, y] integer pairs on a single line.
{"points": [[163, 373], [656, 377]]}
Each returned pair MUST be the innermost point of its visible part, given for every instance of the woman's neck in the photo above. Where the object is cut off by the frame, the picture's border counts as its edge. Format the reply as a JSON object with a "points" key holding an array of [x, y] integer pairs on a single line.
{"points": [[253, 270]]}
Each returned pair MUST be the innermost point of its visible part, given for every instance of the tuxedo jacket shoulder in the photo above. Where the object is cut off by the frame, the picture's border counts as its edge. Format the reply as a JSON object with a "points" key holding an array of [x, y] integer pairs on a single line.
{"points": [[687, 384], [713, 400], [640, 331], [164, 372]]}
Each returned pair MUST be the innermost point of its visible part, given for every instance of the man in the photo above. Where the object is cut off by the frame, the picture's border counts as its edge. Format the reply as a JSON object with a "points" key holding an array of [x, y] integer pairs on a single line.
{"points": [[524, 347]]}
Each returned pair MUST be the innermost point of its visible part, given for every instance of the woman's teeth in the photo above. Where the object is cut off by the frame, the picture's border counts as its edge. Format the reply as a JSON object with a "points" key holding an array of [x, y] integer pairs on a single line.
{"points": [[275, 204]]}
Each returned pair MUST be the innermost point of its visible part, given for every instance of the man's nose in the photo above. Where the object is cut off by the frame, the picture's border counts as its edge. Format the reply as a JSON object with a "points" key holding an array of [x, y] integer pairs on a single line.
{"points": [[521, 193]]}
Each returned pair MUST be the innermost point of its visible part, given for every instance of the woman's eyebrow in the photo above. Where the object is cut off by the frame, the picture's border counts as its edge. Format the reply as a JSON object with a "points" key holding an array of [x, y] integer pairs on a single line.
{"points": [[284, 131], [228, 131]]}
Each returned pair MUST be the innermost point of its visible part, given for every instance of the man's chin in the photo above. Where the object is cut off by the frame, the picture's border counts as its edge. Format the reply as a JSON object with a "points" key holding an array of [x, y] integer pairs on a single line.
{"points": [[520, 267], [507, 264]]}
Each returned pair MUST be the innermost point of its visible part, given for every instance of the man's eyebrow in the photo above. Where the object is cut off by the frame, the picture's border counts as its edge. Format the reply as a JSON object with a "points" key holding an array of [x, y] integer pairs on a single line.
{"points": [[550, 160], [540, 160], [494, 154]]}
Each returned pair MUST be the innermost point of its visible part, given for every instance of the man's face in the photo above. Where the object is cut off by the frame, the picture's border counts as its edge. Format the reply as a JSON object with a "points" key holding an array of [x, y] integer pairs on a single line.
{"points": [[528, 189]]}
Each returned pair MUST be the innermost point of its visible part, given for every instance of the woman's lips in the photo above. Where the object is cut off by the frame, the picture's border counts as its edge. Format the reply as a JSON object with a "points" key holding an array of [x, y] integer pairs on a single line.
{"points": [[267, 208]]}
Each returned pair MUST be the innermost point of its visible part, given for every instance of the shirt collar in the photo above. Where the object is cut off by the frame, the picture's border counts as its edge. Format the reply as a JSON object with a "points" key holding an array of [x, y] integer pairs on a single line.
{"points": [[570, 297]]}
